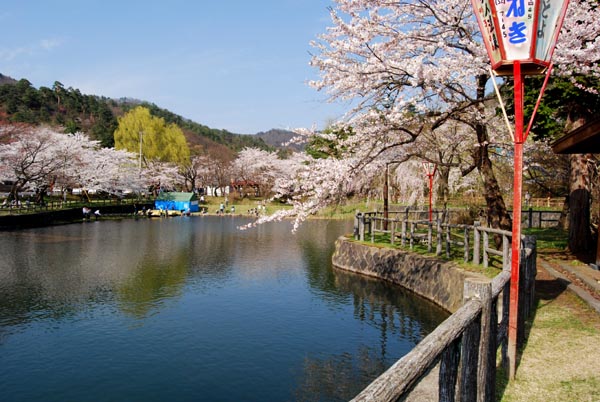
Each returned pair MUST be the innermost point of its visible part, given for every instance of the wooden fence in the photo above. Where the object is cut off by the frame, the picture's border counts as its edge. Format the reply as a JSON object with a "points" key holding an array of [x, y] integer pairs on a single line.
{"points": [[540, 219], [25, 207], [465, 345]]}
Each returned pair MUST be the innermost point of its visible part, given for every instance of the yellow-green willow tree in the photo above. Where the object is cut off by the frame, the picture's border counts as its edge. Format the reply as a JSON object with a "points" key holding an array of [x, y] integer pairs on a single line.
{"points": [[159, 141]]}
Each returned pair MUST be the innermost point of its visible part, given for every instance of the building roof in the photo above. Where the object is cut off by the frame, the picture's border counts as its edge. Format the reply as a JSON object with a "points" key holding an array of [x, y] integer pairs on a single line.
{"points": [[176, 196], [582, 140]]}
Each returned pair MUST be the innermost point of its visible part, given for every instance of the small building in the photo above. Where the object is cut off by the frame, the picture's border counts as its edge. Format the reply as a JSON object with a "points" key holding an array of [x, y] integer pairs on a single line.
{"points": [[175, 201]]}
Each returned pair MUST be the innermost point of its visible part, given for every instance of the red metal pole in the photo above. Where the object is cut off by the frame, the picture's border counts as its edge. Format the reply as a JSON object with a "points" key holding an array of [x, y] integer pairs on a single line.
{"points": [[516, 222]]}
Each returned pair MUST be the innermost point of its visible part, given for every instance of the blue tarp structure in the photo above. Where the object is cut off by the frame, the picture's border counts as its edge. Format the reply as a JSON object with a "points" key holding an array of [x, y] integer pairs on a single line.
{"points": [[177, 202]]}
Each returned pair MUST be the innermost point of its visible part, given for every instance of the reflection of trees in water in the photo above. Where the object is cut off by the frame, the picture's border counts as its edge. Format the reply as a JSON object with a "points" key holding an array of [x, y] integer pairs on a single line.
{"points": [[386, 306], [317, 242], [59, 271], [392, 309], [153, 282], [176, 252], [339, 377], [26, 302]]}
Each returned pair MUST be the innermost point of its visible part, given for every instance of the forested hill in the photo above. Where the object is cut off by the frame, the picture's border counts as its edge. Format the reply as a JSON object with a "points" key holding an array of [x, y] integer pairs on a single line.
{"points": [[233, 141], [6, 80], [97, 115], [278, 138]]}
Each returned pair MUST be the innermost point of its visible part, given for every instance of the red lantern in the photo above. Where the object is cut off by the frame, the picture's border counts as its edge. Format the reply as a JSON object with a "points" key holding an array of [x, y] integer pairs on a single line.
{"points": [[523, 30]]}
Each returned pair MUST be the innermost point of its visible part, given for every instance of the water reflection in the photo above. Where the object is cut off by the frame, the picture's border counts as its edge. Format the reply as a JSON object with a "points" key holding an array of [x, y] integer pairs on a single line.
{"points": [[394, 312], [195, 304], [339, 377]]}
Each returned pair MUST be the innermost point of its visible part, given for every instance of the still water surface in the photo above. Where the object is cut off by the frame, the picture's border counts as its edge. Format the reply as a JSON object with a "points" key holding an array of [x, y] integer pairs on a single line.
{"points": [[192, 309]]}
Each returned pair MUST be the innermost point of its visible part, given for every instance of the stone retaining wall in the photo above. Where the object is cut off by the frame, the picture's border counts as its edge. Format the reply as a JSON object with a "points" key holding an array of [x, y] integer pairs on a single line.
{"points": [[439, 281]]}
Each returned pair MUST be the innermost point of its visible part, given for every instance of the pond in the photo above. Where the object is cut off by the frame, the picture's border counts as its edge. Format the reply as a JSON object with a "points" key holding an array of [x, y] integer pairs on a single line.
{"points": [[193, 309]]}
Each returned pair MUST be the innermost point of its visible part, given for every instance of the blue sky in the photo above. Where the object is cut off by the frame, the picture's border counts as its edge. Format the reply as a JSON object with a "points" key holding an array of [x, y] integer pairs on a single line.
{"points": [[238, 65]]}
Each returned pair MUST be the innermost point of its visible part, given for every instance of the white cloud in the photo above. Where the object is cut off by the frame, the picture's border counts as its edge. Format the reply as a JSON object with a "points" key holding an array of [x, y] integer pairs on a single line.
{"points": [[10, 54], [49, 44]]}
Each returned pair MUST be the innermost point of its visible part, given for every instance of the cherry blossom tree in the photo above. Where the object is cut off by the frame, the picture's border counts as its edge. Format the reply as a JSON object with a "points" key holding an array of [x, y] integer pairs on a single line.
{"points": [[409, 68], [39, 159], [33, 159], [199, 173], [164, 176], [257, 166]]}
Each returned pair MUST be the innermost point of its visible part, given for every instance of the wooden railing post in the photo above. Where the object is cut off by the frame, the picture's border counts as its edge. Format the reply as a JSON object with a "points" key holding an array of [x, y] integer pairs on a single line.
{"points": [[448, 241], [531, 247], [438, 249], [372, 228], [403, 239], [504, 337], [486, 244], [476, 242], [357, 223], [466, 242], [429, 237], [361, 227], [469, 377], [506, 250], [393, 232], [449, 372], [528, 270], [486, 364]]}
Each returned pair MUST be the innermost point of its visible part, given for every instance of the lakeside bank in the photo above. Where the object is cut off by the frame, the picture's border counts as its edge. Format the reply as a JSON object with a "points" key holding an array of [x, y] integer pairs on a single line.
{"points": [[561, 317]]}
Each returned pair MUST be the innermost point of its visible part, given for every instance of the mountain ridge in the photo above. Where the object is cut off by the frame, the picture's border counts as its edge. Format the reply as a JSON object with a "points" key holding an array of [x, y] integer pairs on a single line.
{"points": [[97, 116]]}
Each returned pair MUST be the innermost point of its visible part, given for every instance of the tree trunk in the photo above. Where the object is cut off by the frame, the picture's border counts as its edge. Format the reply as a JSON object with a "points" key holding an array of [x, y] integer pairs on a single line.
{"points": [[564, 214], [580, 235], [15, 190], [442, 185], [497, 214]]}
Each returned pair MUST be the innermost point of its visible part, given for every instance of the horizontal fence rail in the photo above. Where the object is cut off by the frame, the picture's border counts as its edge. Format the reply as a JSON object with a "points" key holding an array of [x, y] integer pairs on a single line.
{"points": [[465, 345], [30, 207], [472, 241]]}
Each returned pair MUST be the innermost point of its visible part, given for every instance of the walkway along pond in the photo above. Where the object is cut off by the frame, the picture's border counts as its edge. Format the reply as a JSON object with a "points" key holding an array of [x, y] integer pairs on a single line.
{"points": [[467, 340]]}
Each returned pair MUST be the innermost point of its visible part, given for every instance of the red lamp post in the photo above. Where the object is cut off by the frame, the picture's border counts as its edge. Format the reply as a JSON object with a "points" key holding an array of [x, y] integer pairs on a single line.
{"points": [[520, 36], [430, 169]]}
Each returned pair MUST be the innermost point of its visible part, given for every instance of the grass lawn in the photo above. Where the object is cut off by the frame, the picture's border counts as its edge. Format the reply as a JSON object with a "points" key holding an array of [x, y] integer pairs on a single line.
{"points": [[549, 239], [560, 361]]}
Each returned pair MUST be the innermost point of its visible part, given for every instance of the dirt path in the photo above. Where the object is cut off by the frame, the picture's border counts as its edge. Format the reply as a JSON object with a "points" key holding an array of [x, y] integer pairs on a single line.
{"points": [[561, 360]]}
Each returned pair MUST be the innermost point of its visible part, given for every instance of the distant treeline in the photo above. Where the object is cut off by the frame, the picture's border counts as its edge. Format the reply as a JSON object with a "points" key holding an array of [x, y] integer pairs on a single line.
{"points": [[95, 115]]}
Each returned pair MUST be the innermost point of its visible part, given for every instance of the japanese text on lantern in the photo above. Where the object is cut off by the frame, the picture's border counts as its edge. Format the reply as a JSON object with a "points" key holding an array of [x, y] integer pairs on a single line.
{"points": [[485, 17], [548, 17], [516, 26]]}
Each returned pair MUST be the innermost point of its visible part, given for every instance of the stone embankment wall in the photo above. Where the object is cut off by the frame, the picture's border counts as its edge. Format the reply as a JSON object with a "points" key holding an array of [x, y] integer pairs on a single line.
{"points": [[439, 281]]}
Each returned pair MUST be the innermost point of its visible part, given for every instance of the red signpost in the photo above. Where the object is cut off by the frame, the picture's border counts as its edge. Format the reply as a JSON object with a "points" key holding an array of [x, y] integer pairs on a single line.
{"points": [[519, 36]]}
